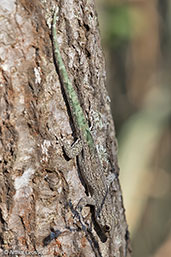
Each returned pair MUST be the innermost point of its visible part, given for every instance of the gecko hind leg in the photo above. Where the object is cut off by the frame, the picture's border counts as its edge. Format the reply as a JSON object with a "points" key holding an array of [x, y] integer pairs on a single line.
{"points": [[84, 202], [72, 150]]}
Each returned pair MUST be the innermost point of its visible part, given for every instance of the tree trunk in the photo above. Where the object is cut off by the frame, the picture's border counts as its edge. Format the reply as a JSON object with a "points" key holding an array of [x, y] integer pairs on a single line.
{"points": [[38, 182]]}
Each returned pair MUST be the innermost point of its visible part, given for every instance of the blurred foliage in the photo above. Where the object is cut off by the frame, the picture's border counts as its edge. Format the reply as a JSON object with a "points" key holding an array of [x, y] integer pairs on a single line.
{"points": [[136, 36], [119, 26]]}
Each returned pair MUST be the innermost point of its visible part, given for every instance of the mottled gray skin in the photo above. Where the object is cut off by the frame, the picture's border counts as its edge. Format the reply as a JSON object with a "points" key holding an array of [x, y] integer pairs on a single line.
{"points": [[90, 166]]}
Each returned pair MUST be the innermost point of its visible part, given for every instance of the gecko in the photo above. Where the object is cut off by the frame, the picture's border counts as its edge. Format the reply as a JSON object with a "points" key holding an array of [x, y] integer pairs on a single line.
{"points": [[92, 173]]}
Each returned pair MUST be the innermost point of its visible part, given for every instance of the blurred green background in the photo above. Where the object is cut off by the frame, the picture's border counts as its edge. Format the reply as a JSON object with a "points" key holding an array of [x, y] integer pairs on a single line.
{"points": [[136, 37]]}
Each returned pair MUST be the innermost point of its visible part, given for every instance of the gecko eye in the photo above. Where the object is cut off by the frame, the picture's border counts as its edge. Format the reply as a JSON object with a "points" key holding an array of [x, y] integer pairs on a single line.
{"points": [[107, 228]]}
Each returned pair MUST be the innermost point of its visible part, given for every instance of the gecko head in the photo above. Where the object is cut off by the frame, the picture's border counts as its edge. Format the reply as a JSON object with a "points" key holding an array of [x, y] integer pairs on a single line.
{"points": [[103, 224]]}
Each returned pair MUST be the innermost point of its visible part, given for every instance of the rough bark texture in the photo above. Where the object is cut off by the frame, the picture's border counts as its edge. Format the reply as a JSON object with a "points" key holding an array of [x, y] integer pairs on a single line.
{"points": [[36, 179]]}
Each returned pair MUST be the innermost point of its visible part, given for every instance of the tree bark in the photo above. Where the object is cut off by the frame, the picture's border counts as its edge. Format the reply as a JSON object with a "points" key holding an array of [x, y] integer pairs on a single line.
{"points": [[36, 178]]}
